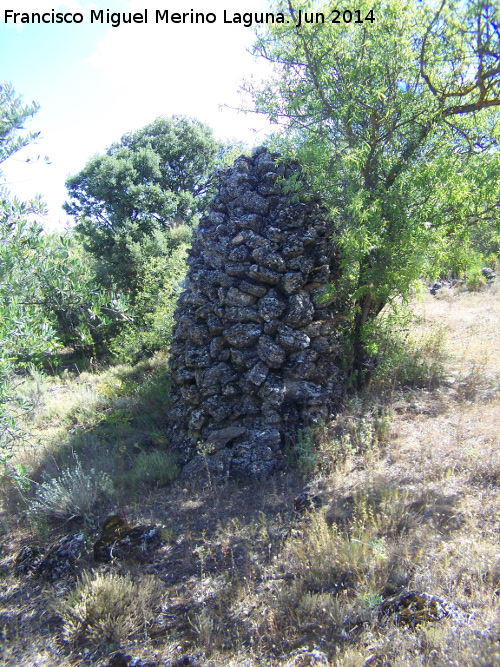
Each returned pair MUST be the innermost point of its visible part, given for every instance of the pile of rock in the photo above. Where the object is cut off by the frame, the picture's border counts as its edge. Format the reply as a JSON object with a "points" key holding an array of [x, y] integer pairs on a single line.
{"points": [[255, 348]]}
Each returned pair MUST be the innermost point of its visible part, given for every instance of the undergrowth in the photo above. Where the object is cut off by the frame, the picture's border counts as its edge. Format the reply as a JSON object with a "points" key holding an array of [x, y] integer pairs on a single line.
{"points": [[403, 497]]}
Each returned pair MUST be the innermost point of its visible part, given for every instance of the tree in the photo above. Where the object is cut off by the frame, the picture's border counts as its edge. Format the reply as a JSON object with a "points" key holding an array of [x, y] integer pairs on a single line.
{"points": [[144, 185], [48, 297], [393, 112], [14, 115]]}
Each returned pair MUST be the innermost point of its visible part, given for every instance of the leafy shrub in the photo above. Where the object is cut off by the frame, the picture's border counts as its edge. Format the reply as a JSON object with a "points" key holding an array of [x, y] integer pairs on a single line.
{"points": [[108, 608], [475, 279], [161, 284], [355, 431]]}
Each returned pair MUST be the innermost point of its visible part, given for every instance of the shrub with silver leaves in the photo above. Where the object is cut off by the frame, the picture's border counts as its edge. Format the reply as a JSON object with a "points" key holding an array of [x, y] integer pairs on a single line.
{"points": [[71, 494]]}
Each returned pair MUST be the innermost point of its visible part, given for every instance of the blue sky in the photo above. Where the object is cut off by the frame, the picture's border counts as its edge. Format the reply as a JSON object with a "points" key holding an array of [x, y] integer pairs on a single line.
{"points": [[95, 82]]}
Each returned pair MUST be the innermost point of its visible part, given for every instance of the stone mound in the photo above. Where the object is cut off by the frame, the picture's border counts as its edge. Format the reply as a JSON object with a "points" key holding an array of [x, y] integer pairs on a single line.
{"points": [[255, 350]]}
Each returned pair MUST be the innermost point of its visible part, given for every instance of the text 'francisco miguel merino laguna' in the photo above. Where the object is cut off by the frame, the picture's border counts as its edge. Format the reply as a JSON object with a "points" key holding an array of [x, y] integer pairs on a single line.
{"points": [[115, 19]]}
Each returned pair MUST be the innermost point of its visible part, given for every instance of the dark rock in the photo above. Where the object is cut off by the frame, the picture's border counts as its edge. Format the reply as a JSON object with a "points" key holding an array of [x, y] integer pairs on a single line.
{"points": [[197, 419], [306, 502], [269, 260], [61, 558], [263, 275], [257, 374], [235, 297], [255, 346], [238, 269], [197, 358], [120, 540], [240, 254], [27, 560], [252, 288], [488, 273], [218, 408], [120, 659], [292, 340], [271, 306], [292, 282], [273, 390], [234, 314], [271, 354], [300, 310], [254, 203], [250, 221], [223, 436], [415, 607], [243, 358], [243, 335]]}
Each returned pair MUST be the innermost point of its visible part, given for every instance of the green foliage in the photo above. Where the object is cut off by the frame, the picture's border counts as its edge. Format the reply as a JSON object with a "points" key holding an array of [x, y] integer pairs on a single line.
{"points": [[156, 467], [396, 124], [156, 300], [22, 327], [49, 297], [356, 432], [13, 117], [475, 279], [405, 359], [128, 201]]}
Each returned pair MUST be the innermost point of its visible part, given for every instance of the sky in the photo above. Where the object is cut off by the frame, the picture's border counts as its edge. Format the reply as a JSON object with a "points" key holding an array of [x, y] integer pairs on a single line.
{"points": [[95, 82]]}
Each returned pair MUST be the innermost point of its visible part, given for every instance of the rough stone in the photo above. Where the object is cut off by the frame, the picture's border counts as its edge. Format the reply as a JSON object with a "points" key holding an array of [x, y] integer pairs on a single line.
{"points": [[292, 282], [271, 306], [255, 349], [243, 335], [263, 275], [270, 353], [300, 310]]}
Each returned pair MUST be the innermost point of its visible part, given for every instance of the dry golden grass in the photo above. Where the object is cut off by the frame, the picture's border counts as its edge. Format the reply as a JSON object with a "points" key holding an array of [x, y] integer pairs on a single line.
{"points": [[409, 483]]}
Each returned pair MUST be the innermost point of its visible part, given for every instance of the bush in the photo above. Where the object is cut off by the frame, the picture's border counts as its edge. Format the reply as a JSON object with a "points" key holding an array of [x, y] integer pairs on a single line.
{"points": [[475, 279], [72, 494], [108, 608], [161, 284]]}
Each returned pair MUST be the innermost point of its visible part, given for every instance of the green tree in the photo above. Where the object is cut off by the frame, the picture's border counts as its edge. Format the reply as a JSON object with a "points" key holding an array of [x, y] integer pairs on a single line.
{"points": [[47, 285], [34, 330], [127, 201], [48, 297], [393, 112], [14, 115]]}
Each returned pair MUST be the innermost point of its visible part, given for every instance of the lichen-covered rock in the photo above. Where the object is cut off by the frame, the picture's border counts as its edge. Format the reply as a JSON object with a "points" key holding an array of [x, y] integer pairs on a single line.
{"points": [[120, 540], [255, 350]]}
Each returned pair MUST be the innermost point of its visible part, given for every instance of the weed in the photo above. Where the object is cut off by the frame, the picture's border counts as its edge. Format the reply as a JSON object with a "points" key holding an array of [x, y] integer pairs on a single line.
{"points": [[406, 358], [203, 625], [155, 467], [108, 608], [475, 279]]}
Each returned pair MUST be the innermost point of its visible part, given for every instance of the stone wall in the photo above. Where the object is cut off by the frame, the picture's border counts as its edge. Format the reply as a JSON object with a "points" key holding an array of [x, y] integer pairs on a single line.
{"points": [[255, 353]]}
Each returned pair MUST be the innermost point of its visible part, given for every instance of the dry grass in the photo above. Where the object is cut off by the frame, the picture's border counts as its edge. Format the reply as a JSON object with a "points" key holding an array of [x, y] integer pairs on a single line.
{"points": [[108, 608], [409, 483]]}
